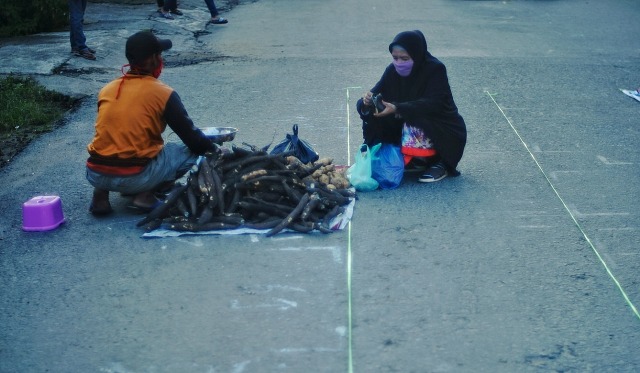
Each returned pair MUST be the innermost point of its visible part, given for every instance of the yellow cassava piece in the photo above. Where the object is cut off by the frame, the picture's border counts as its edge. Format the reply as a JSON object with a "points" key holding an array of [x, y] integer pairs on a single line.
{"points": [[253, 174]]}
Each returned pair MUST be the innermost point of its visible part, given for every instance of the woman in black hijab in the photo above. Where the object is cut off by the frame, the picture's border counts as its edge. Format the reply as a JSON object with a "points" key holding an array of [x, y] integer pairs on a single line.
{"points": [[415, 91]]}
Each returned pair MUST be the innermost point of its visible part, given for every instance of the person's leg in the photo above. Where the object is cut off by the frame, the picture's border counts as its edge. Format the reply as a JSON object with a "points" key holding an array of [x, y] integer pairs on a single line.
{"points": [[100, 202], [76, 33], [215, 15], [436, 171], [172, 163], [377, 130], [174, 9], [76, 30], [84, 10], [212, 8], [369, 134], [169, 165], [167, 7]]}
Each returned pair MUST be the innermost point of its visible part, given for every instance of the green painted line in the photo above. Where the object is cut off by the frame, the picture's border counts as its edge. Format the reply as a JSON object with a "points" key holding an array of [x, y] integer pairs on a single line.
{"points": [[575, 220], [349, 256], [349, 309]]}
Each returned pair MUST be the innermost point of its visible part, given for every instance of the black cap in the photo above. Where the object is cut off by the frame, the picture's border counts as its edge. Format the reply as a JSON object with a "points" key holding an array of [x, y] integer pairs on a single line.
{"points": [[144, 44]]}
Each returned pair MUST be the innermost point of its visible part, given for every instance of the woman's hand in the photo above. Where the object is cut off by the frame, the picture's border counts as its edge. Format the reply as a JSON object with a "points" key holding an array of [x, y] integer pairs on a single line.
{"points": [[366, 99], [389, 109]]}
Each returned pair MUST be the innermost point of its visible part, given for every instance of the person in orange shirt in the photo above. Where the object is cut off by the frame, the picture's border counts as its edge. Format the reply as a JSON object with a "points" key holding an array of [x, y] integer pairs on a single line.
{"points": [[127, 153]]}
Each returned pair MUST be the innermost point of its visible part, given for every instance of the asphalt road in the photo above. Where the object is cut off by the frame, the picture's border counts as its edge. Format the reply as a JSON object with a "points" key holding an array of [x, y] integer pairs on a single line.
{"points": [[528, 262]]}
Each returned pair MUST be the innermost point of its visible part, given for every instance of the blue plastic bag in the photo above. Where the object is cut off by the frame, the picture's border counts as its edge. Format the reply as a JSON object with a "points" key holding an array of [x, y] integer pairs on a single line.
{"points": [[359, 174], [387, 166]]}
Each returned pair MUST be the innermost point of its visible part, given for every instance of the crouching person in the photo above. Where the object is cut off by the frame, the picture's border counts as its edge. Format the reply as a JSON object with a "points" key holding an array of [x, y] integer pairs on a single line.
{"points": [[416, 110], [127, 153]]}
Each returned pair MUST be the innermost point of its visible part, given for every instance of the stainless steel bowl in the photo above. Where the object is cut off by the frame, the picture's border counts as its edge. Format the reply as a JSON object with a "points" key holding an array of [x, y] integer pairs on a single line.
{"points": [[219, 135]]}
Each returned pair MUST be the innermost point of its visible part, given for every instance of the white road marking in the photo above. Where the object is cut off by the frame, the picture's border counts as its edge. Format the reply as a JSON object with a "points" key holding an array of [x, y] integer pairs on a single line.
{"points": [[554, 174], [335, 251], [536, 149], [611, 163], [290, 350], [279, 303], [618, 229], [579, 214]]}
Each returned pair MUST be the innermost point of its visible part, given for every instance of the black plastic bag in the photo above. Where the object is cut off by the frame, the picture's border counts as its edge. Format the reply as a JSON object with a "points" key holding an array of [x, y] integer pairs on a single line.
{"points": [[299, 148]]}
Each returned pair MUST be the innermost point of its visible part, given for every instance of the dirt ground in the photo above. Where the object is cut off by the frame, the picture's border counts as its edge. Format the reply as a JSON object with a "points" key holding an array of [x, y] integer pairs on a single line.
{"points": [[12, 143]]}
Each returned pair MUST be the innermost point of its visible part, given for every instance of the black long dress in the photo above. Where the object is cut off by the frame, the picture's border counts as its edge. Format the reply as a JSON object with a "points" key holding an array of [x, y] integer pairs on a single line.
{"points": [[423, 99]]}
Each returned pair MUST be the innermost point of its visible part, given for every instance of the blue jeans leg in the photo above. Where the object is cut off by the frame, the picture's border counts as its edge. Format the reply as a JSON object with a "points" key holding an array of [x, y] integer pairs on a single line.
{"points": [[212, 8], [173, 161], [76, 18]]}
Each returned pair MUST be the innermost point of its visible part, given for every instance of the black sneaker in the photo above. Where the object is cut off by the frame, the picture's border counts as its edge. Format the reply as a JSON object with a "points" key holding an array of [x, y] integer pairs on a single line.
{"points": [[74, 51], [435, 173]]}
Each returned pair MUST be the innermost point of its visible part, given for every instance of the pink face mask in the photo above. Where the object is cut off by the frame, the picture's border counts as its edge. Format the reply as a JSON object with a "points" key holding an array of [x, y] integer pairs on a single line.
{"points": [[403, 68]]}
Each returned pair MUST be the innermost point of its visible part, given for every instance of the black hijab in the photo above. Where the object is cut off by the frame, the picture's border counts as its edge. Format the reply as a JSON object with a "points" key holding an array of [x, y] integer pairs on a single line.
{"points": [[412, 87], [414, 43]]}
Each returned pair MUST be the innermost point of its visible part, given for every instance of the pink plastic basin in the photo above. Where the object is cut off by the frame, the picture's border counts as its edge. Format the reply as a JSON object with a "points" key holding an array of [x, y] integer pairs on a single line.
{"points": [[42, 213]]}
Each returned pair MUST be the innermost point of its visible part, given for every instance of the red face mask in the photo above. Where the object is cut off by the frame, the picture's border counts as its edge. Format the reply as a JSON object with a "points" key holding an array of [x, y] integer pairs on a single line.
{"points": [[158, 70]]}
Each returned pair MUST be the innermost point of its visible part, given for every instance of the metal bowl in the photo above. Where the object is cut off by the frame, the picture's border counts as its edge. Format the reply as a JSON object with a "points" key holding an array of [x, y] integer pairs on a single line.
{"points": [[220, 134]]}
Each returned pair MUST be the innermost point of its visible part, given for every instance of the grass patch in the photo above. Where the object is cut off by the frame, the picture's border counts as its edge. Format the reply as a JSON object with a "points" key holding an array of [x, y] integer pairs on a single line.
{"points": [[27, 110], [23, 102]]}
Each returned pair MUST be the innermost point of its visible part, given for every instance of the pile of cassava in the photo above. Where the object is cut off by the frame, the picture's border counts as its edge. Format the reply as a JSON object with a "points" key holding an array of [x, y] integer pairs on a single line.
{"points": [[247, 187]]}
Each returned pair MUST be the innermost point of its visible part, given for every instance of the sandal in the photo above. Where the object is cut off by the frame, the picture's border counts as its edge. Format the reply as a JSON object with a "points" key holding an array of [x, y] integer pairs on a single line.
{"points": [[435, 173], [218, 21], [144, 209]]}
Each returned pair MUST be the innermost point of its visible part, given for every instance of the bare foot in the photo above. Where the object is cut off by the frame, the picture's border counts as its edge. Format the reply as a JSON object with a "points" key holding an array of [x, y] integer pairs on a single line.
{"points": [[100, 203]]}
